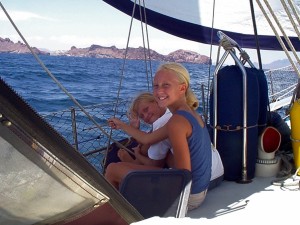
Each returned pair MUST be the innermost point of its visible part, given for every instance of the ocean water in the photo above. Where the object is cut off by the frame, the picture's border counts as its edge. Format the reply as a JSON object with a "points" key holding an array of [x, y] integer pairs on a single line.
{"points": [[89, 80]]}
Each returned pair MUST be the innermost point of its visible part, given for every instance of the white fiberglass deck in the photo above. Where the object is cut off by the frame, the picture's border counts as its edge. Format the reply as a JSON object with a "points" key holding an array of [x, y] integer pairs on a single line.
{"points": [[257, 202]]}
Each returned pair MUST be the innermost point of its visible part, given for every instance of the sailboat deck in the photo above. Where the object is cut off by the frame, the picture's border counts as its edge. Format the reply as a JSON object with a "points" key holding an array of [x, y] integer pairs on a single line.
{"points": [[234, 203]]}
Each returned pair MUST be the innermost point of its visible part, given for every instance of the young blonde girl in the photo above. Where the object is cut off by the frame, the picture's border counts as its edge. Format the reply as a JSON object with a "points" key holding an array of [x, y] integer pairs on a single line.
{"points": [[144, 107]]}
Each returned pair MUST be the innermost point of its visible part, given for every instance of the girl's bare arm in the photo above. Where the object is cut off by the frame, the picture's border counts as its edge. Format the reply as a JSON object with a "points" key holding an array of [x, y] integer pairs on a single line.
{"points": [[141, 136], [178, 130]]}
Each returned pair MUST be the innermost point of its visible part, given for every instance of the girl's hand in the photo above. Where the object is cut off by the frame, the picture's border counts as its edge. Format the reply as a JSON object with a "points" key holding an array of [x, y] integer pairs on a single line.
{"points": [[115, 123], [134, 121], [124, 156], [137, 150]]}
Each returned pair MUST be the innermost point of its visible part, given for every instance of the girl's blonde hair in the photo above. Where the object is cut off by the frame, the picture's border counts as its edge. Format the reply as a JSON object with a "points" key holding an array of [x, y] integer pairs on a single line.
{"points": [[184, 78], [142, 97]]}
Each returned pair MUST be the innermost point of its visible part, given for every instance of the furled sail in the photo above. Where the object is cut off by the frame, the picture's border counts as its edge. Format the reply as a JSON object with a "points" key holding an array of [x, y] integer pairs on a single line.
{"points": [[199, 20]]}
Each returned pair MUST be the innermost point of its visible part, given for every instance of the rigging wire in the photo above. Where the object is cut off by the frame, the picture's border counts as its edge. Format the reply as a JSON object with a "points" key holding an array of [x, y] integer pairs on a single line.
{"points": [[127, 46], [143, 38], [149, 52], [125, 58], [255, 33], [205, 109], [120, 86], [277, 35]]}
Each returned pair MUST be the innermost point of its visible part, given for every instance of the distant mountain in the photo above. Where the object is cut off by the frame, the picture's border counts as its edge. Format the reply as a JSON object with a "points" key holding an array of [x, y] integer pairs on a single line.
{"points": [[97, 51], [277, 64], [6, 45]]}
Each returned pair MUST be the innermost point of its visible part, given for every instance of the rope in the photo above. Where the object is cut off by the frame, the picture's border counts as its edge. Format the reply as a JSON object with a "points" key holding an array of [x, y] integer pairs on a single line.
{"points": [[285, 177], [237, 128], [56, 81], [290, 16], [226, 44], [282, 30], [294, 140], [282, 182], [227, 47], [277, 35], [295, 11], [244, 56]]}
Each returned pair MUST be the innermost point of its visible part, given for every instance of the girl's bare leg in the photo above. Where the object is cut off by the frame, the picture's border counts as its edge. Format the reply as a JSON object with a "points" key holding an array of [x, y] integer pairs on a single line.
{"points": [[124, 156]]}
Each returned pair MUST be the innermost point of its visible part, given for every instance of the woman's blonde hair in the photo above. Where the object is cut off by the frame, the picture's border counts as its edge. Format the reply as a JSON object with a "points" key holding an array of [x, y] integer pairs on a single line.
{"points": [[142, 97], [184, 78]]}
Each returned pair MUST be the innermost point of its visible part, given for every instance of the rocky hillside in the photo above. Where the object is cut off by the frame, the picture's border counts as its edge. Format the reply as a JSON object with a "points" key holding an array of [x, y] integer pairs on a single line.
{"points": [[6, 45], [136, 53], [97, 51]]}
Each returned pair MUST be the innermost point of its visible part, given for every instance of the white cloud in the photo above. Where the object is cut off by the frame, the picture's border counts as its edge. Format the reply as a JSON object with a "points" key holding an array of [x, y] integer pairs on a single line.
{"points": [[23, 16]]}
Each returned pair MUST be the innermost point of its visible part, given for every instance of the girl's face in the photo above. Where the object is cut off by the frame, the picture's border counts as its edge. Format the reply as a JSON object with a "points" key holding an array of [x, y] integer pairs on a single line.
{"points": [[149, 111], [166, 88]]}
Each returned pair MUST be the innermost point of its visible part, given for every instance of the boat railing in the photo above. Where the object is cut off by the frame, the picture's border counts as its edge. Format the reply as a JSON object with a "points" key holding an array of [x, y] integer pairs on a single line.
{"points": [[281, 85], [82, 133]]}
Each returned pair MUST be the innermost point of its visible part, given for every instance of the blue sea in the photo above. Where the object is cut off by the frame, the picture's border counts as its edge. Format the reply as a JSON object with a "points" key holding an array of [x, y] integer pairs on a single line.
{"points": [[89, 80]]}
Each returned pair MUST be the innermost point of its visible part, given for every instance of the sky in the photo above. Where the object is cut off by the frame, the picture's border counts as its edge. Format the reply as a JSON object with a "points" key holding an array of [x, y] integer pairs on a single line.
{"points": [[61, 24]]}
